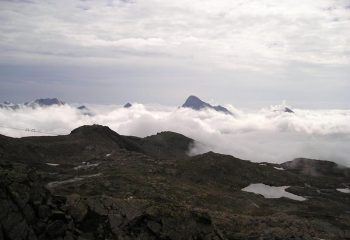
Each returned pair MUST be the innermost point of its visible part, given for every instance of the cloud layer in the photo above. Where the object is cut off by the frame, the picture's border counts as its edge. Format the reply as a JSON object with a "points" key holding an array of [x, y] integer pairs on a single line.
{"points": [[260, 135], [258, 33], [251, 53]]}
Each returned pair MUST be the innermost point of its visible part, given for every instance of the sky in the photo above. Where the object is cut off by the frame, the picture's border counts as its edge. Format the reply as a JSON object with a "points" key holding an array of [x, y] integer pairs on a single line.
{"points": [[247, 53]]}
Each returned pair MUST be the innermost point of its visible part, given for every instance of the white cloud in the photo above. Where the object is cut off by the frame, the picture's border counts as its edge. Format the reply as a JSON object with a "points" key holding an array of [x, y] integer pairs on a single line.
{"points": [[239, 34], [262, 135], [246, 52]]}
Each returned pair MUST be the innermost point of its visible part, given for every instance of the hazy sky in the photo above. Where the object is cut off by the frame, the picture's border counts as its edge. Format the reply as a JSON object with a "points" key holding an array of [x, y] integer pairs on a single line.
{"points": [[248, 53]]}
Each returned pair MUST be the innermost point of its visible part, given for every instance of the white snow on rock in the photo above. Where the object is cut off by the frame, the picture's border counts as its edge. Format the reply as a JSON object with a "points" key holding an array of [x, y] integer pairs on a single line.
{"points": [[71, 180], [343, 190], [86, 166], [57, 183], [279, 168], [272, 192], [52, 164]]}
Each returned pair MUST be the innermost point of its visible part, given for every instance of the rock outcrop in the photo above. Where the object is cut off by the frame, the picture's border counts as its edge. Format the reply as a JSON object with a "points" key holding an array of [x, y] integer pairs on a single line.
{"points": [[28, 210]]}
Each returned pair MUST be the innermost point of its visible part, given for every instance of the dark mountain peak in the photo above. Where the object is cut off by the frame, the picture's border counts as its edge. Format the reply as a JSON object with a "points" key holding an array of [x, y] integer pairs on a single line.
{"points": [[85, 110], [282, 108], [82, 107], [44, 102], [128, 105], [48, 101], [93, 129], [288, 110], [41, 102], [9, 105], [197, 104]]}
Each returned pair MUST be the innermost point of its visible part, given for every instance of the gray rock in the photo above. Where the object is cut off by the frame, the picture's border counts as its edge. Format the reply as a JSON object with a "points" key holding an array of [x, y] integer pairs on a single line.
{"points": [[56, 229], [44, 212], [77, 207]]}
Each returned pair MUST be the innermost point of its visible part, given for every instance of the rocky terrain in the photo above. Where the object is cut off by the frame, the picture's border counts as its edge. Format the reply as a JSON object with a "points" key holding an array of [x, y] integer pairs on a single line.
{"points": [[97, 184]]}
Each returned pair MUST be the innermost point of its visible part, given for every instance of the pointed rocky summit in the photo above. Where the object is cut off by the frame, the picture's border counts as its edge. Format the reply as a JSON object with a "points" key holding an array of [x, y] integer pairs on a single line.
{"points": [[197, 104]]}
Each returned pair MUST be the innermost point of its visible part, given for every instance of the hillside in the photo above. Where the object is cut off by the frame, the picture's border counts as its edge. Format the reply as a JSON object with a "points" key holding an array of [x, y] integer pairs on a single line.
{"points": [[97, 184]]}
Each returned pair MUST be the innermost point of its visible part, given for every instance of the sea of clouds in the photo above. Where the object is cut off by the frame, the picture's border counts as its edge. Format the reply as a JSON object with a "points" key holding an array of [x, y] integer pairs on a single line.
{"points": [[268, 135]]}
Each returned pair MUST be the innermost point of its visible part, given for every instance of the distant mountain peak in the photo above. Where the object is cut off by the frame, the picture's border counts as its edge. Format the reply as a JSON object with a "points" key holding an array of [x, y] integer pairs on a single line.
{"points": [[82, 107], [128, 105], [282, 108], [41, 102], [9, 105], [85, 110], [44, 102], [197, 104], [288, 110]]}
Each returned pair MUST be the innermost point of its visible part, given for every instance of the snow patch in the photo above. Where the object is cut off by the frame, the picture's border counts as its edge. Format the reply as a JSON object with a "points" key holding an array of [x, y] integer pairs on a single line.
{"points": [[71, 180], [86, 166], [57, 183], [52, 164], [279, 168], [272, 192], [343, 190]]}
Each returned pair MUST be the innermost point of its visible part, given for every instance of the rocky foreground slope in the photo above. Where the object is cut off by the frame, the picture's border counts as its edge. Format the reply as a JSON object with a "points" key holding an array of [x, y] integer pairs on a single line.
{"points": [[97, 184]]}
